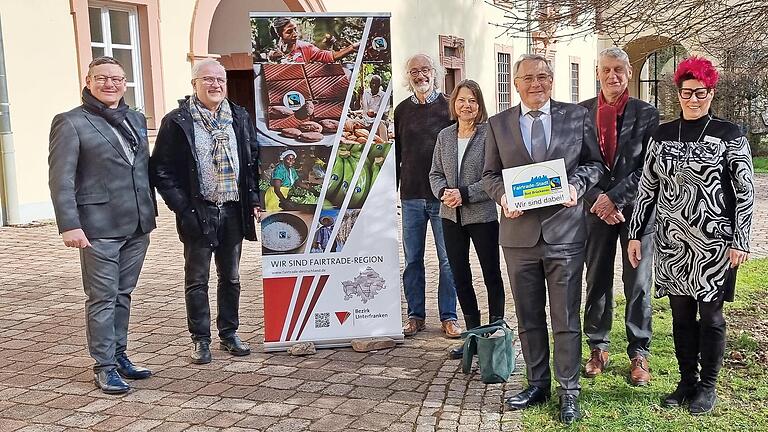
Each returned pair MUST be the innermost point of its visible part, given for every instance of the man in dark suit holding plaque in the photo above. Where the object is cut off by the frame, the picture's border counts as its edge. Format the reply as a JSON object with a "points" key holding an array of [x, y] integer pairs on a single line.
{"points": [[544, 247], [624, 126]]}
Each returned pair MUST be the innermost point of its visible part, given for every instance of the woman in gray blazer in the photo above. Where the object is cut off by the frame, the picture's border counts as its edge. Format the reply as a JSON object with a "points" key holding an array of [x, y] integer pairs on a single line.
{"points": [[467, 212]]}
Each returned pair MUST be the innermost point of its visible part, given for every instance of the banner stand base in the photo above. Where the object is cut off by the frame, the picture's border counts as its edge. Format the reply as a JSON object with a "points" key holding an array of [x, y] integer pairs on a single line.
{"points": [[326, 343]]}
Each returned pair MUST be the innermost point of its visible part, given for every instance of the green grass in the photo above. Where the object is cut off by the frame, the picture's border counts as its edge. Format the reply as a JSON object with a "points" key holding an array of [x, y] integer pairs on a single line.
{"points": [[761, 164], [610, 403]]}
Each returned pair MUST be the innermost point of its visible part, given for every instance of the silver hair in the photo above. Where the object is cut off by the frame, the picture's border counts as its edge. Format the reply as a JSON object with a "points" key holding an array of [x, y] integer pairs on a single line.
{"points": [[202, 63], [438, 80], [615, 52], [537, 57]]}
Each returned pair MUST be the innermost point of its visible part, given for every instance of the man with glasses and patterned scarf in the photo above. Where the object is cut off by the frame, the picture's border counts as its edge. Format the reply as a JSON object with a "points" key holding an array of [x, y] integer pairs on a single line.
{"points": [[204, 165], [104, 205]]}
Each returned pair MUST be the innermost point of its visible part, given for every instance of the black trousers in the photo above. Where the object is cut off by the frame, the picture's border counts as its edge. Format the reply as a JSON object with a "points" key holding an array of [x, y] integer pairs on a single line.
{"points": [[698, 342], [226, 220], [485, 238], [598, 307]]}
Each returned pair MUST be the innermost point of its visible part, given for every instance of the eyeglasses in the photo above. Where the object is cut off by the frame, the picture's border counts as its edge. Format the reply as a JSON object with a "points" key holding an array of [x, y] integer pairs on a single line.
{"points": [[415, 72], [700, 93], [529, 79], [209, 80], [102, 79]]}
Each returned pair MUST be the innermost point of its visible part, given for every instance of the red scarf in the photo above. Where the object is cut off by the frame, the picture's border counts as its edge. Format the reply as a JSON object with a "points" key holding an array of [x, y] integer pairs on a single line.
{"points": [[607, 113]]}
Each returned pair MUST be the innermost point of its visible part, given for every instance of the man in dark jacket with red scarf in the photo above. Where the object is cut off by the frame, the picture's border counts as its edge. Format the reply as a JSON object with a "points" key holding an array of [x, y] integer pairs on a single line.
{"points": [[204, 165], [624, 127]]}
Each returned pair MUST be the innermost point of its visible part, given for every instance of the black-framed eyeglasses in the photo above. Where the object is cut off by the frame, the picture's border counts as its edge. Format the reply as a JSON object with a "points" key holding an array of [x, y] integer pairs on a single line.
{"points": [[415, 72], [700, 92], [102, 79], [210, 80]]}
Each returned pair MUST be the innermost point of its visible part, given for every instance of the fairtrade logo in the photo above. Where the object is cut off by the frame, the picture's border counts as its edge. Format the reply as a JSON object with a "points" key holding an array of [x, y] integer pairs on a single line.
{"points": [[293, 100], [342, 316], [379, 43]]}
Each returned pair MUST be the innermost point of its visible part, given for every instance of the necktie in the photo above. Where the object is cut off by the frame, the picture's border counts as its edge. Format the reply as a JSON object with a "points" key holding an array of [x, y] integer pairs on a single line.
{"points": [[538, 139]]}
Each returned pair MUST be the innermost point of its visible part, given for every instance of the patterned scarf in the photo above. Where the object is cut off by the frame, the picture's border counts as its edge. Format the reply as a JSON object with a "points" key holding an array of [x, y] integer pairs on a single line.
{"points": [[216, 124], [607, 115]]}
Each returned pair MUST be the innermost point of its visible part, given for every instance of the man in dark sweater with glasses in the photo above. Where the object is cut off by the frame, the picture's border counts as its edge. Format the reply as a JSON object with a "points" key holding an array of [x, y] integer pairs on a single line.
{"points": [[418, 120]]}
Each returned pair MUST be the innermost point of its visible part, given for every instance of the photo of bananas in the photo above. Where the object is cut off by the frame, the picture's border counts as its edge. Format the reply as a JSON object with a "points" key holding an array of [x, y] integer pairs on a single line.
{"points": [[348, 157]]}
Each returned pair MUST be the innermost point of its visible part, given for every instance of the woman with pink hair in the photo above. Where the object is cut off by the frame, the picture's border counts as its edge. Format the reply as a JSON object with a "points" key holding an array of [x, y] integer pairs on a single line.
{"points": [[697, 177]]}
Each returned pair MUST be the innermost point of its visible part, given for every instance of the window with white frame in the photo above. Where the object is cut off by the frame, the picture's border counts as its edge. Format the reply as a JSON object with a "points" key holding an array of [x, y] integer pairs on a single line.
{"points": [[115, 33], [574, 82], [503, 80]]}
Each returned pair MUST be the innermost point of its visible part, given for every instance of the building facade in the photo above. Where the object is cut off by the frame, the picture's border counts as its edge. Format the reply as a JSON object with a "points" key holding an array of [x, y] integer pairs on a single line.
{"points": [[157, 41]]}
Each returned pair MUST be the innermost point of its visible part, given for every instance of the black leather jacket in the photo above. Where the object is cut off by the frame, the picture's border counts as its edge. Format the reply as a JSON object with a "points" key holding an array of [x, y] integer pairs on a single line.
{"points": [[173, 167]]}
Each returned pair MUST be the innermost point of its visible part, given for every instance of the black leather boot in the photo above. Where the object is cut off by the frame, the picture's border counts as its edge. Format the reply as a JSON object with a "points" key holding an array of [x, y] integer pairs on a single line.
{"points": [[202, 353], [470, 321], [703, 402], [492, 319], [685, 335]]}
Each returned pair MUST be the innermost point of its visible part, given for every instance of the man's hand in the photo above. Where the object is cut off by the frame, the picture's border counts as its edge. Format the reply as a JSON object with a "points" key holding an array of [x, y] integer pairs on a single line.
{"points": [[614, 218], [737, 257], [633, 250], [574, 197], [512, 214], [257, 213], [603, 207], [75, 238]]}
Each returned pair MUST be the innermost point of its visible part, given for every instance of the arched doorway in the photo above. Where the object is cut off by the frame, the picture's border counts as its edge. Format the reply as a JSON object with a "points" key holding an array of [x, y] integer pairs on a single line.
{"points": [[210, 12], [223, 29], [654, 60]]}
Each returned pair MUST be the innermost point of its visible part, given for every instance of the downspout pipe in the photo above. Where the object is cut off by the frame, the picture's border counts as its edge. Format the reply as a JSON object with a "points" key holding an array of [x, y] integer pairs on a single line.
{"points": [[10, 197]]}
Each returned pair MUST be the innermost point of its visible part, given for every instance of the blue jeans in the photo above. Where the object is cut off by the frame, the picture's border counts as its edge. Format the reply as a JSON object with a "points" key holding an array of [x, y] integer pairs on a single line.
{"points": [[416, 213]]}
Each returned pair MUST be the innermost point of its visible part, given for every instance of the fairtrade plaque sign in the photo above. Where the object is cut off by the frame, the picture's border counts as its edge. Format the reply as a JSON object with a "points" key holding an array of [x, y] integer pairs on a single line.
{"points": [[536, 185]]}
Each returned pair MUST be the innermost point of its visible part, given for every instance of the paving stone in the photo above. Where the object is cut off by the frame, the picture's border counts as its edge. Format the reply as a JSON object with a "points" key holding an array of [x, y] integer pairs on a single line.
{"points": [[332, 423]]}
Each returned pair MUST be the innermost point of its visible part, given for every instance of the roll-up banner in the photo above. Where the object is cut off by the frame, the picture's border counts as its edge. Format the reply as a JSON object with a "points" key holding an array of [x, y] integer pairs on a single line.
{"points": [[324, 125]]}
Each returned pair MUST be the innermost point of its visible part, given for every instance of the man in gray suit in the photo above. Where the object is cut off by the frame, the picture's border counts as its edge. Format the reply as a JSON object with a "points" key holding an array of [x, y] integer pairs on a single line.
{"points": [[544, 247], [624, 126], [104, 205]]}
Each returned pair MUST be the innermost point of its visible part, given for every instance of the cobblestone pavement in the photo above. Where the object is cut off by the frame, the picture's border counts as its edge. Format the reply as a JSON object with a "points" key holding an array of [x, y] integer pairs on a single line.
{"points": [[46, 382]]}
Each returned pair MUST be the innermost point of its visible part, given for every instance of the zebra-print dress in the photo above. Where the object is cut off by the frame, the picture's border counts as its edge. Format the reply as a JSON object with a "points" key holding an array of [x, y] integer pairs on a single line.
{"points": [[698, 176]]}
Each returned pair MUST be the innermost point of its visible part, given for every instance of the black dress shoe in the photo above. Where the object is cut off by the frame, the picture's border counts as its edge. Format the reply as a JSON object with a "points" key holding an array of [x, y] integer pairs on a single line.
{"points": [[127, 369], [201, 354], [527, 398], [682, 394], [235, 346], [569, 408], [703, 402], [456, 352], [110, 382]]}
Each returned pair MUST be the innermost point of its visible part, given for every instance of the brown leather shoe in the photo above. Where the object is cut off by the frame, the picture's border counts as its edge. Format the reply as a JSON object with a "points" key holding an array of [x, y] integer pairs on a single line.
{"points": [[451, 329], [639, 373], [598, 361], [413, 326]]}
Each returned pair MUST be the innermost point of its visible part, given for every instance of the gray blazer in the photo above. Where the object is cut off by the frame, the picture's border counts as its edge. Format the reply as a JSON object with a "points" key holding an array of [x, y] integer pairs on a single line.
{"points": [[93, 185], [573, 139], [477, 206]]}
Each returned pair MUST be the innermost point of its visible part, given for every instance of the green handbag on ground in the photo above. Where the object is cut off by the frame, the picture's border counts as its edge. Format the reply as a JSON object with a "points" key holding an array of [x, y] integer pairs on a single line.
{"points": [[494, 346]]}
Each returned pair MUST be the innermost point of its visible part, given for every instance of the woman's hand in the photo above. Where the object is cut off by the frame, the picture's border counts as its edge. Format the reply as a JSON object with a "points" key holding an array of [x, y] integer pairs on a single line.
{"points": [[451, 198], [737, 257], [633, 250]]}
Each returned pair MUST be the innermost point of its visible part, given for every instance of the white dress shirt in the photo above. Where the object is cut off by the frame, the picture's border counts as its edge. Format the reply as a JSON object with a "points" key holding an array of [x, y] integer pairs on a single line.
{"points": [[526, 122]]}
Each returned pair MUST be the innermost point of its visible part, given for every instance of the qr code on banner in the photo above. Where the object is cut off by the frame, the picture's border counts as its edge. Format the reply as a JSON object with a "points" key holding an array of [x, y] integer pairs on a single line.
{"points": [[322, 320]]}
